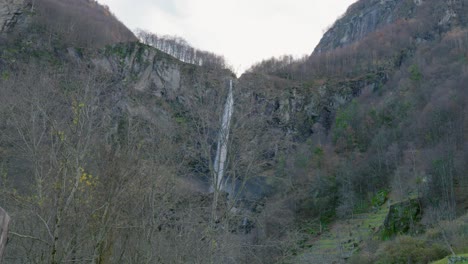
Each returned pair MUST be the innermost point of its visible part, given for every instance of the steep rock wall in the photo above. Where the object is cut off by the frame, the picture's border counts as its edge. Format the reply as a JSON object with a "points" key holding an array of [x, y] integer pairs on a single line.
{"points": [[303, 109], [367, 16], [9, 13], [363, 18], [146, 70]]}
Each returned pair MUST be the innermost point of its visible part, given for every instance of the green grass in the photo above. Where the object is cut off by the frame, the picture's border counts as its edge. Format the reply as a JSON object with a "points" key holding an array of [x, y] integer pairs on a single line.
{"points": [[344, 237], [445, 260], [375, 220], [327, 244], [345, 234]]}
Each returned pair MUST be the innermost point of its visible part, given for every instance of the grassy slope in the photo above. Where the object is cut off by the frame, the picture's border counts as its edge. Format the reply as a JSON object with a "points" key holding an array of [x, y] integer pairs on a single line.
{"points": [[445, 260], [344, 237]]}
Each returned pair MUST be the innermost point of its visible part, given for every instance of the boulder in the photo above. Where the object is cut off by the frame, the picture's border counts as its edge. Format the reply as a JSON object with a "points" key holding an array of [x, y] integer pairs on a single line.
{"points": [[402, 217]]}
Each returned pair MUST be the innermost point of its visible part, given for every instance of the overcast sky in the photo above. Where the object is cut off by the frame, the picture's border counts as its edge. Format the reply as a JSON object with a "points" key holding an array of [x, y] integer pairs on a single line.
{"points": [[243, 31]]}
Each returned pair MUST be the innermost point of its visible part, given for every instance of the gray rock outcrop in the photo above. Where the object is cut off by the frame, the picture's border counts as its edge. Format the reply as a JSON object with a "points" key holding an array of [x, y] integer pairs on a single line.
{"points": [[361, 19], [457, 259], [367, 16], [9, 13]]}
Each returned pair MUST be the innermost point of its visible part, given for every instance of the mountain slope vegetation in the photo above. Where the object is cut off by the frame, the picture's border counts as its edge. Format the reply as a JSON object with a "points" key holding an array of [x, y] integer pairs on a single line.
{"points": [[354, 154]]}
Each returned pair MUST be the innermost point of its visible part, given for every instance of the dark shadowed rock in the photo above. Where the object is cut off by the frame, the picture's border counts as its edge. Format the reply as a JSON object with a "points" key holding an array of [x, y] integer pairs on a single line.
{"points": [[9, 12]]}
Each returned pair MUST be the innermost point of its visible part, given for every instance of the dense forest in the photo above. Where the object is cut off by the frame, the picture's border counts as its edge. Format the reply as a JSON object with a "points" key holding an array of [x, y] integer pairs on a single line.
{"points": [[356, 153]]}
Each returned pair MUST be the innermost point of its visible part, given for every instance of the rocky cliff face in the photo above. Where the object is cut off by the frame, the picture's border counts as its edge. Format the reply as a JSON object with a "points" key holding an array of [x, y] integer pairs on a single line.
{"points": [[365, 17], [79, 23], [145, 71], [9, 13], [136, 69], [304, 109]]}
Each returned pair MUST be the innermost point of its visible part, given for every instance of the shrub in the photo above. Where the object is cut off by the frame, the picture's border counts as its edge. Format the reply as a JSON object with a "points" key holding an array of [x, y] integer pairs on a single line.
{"points": [[415, 73], [406, 249], [380, 198], [456, 232], [361, 259]]}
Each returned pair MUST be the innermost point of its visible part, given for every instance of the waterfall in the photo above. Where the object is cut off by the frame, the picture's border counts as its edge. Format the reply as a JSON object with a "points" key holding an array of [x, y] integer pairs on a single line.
{"points": [[223, 138]]}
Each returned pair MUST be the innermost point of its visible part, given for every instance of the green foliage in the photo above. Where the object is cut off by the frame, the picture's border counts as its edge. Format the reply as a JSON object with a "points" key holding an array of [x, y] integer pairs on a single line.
{"points": [[281, 165], [361, 206], [393, 112], [319, 206], [343, 124], [415, 73], [77, 108], [5, 75], [80, 51], [120, 50], [122, 129], [408, 249], [301, 161], [315, 227], [180, 119], [46, 56], [327, 217], [378, 89], [318, 156], [434, 129], [310, 83], [318, 151], [401, 219], [442, 172], [303, 123], [379, 198], [361, 259], [463, 59]]}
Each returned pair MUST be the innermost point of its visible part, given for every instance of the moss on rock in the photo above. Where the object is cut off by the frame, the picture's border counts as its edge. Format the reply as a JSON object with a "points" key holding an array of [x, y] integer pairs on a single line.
{"points": [[402, 217]]}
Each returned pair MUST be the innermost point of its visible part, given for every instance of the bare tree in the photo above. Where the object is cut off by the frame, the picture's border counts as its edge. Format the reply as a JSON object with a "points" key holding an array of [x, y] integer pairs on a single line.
{"points": [[181, 49], [4, 223]]}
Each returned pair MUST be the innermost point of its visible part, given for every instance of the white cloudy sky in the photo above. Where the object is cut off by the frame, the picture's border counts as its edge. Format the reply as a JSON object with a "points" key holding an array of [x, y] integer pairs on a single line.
{"points": [[244, 31]]}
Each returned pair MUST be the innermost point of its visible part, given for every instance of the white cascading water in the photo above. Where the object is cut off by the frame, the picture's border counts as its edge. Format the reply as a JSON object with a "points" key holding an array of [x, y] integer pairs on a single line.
{"points": [[223, 138]]}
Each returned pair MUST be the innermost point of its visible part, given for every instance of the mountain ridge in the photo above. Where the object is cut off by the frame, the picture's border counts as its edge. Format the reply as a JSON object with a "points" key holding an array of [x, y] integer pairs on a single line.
{"points": [[365, 17]]}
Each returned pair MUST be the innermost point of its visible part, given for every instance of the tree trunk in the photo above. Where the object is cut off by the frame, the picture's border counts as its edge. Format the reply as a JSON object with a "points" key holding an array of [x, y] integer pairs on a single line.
{"points": [[4, 221]]}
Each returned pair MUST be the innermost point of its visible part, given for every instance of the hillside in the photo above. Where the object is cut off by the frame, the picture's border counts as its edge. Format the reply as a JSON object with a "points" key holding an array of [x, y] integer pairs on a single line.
{"points": [[81, 23], [366, 17], [385, 114], [354, 154]]}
